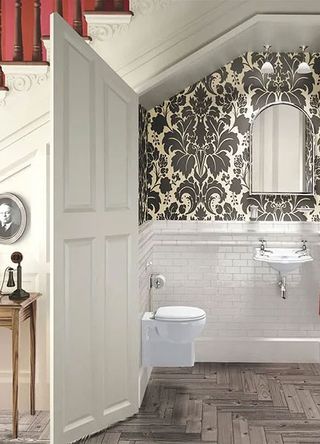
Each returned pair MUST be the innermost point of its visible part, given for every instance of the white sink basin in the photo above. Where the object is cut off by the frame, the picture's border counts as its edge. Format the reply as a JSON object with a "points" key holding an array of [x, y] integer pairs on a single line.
{"points": [[283, 260]]}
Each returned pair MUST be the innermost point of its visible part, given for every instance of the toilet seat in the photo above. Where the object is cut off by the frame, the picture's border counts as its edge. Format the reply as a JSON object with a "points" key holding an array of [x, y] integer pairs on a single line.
{"points": [[179, 314]]}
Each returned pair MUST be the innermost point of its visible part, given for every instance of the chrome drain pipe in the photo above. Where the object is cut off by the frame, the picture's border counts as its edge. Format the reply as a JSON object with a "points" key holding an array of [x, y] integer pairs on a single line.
{"points": [[283, 286]]}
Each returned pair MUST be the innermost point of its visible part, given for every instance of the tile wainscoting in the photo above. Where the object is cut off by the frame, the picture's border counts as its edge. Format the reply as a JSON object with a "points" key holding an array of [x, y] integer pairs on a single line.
{"points": [[210, 265]]}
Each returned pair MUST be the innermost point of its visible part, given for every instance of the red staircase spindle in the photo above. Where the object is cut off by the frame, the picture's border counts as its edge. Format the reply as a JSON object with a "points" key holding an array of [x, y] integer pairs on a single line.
{"points": [[99, 5], [77, 17], [0, 29], [118, 5], [1, 72], [18, 45], [59, 7], [37, 44]]}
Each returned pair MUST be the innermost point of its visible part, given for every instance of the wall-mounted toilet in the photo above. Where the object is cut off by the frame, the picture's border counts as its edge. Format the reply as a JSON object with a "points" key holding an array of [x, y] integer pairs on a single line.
{"points": [[168, 336]]}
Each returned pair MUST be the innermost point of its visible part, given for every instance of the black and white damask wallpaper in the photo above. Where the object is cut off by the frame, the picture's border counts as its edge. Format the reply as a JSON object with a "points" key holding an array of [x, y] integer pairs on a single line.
{"points": [[143, 180], [196, 161]]}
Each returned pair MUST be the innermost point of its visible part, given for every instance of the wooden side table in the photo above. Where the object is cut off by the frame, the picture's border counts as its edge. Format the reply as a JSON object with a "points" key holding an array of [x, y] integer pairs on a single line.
{"points": [[11, 315]]}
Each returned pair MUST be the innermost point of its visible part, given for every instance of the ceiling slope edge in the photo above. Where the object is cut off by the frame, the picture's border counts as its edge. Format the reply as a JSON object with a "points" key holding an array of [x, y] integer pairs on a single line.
{"points": [[285, 32]]}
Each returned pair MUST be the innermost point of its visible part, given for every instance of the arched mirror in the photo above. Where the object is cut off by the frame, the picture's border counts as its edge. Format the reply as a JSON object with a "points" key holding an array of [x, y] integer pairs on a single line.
{"points": [[282, 151]]}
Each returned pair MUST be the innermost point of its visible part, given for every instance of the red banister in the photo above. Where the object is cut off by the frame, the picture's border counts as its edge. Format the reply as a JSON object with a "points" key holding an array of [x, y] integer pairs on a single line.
{"points": [[99, 5], [0, 29], [1, 73], [118, 5], [37, 43], [18, 44], [110, 5], [59, 7], [77, 17], [22, 22]]}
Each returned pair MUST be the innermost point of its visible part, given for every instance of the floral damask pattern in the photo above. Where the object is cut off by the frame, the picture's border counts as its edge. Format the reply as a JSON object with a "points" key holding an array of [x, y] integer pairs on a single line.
{"points": [[198, 143], [143, 162]]}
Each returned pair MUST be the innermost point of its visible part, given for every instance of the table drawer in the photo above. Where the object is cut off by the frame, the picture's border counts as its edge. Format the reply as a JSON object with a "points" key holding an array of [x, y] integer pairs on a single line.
{"points": [[5, 313]]}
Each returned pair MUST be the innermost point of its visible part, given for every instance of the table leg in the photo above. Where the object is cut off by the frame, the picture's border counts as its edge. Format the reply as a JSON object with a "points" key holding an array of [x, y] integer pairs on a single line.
{"points": [[15, 371], [33, 316]]}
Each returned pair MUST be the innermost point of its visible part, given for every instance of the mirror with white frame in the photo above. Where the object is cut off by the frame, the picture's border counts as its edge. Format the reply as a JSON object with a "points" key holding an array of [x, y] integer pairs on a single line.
{"points": [[282, 151]]}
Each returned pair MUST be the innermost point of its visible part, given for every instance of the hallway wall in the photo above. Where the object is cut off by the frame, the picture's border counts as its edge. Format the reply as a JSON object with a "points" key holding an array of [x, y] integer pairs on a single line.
{"points": [[24, 170]]}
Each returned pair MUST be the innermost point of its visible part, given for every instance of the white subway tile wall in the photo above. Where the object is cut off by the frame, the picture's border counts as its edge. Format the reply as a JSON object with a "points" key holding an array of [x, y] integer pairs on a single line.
{"points": [[210, 265], [145, 248]]}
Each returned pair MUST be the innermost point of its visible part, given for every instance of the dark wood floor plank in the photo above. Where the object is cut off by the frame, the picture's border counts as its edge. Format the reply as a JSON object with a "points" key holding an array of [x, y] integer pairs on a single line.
{"points": [[305, 426], [316, 398], [152, 398], [194, 417], [308, 404], [257, 435], [240, 430], [110, 438], [180, 409], [315, 369], [219, 403], [274, 438], [209, 431], [293, 401], [297, 441], [223, 375], [262, 388], [277, 395], [248, 381], [235, 378], [210, 371], [300, 379], [225, 432], [32, 428]]}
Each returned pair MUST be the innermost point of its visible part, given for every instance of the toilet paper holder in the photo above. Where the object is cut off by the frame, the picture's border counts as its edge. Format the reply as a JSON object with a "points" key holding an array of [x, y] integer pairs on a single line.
{"points": [[157, 281]]}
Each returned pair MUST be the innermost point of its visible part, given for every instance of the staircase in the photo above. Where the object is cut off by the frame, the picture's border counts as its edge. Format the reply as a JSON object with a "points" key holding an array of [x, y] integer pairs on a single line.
{"points": [[24, 34]]}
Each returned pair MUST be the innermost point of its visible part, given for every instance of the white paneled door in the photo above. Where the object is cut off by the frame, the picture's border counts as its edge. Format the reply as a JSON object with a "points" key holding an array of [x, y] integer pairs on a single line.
{"points": [[94, 312]]}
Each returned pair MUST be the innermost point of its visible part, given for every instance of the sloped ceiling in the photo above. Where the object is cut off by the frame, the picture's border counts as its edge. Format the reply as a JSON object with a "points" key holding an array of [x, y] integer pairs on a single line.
{"points": [[170, 44]]}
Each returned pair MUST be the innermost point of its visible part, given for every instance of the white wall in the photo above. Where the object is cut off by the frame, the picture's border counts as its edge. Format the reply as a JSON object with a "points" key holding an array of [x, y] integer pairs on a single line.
{"points": [[24, 170], [210, 265]]}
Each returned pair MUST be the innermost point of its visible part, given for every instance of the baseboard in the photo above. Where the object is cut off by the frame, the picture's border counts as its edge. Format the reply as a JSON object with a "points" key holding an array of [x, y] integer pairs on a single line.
{"points": [[6, 376], [144, 376], [258, 350]]}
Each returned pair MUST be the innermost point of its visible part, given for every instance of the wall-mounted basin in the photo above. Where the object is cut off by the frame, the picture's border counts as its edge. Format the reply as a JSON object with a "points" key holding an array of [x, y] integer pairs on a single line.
{"points": [[283, 260]]}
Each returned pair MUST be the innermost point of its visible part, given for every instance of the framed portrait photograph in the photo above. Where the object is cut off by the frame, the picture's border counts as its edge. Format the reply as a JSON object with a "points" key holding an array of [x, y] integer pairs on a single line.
{"points": [[13, 218]]}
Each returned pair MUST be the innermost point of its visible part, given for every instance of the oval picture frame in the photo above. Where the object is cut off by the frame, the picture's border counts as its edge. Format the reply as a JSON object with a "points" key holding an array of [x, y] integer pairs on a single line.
{"points": [[11, 231]]}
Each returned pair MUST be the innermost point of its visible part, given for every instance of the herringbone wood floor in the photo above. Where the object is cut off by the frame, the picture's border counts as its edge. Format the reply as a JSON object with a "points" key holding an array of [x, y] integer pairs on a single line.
{"points": [[32, 429], [225, 404]]}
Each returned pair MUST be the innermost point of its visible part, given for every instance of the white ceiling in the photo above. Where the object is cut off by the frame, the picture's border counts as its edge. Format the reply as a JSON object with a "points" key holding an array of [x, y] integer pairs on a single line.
{"points": [[170, 44], [284, 33]]}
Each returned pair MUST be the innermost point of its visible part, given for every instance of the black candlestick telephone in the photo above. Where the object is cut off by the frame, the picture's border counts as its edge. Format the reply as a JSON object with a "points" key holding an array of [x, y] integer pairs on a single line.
{"points": [[18, 294]]}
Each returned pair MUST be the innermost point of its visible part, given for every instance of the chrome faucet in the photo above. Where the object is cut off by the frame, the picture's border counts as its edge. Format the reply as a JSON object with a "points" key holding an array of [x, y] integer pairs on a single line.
{"points": [[262, 244], [263, 247], [303, 248]]}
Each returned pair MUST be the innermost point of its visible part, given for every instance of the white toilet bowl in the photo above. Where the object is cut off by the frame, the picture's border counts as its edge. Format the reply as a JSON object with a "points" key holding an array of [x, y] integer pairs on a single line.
{"points": [[180, 324], [168, 335]]}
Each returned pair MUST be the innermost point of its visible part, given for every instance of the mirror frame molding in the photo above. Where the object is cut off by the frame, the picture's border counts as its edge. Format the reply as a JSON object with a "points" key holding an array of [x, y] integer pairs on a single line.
{"points": [[254, 117]]}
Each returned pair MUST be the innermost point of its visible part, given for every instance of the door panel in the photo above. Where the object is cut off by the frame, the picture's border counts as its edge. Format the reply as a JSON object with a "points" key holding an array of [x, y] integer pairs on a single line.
{"points": [[78, 331], [116, 186], [116, 285], [78, 70], [94, 310]]}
